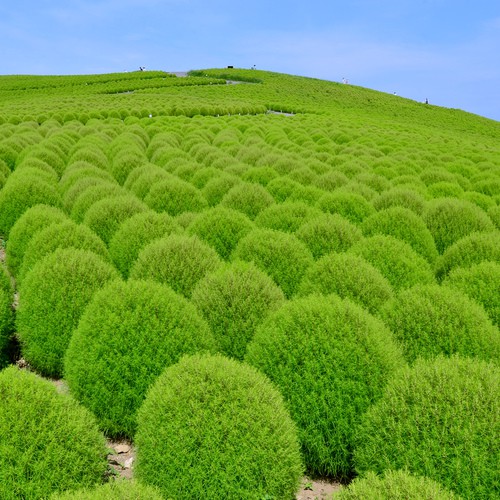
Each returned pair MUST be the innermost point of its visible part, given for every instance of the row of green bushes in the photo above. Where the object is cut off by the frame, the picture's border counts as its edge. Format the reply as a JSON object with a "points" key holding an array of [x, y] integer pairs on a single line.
{"points": [[209, 426]]}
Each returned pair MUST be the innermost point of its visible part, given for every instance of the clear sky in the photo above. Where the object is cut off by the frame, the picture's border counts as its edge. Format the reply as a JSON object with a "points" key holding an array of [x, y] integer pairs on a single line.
{"points": [[445, 50]]}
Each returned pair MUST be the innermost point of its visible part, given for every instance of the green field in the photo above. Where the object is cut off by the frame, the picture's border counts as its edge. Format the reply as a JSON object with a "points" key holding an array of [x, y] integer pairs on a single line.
{"points": [[261, 276]]}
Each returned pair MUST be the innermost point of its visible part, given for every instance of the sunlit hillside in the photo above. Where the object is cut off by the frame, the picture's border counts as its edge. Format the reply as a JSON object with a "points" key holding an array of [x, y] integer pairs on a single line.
{"points": [[250, 281]]}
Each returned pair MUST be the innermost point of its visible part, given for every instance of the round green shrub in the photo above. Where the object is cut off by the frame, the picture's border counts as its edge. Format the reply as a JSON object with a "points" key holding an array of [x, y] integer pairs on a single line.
{"points": [[72, 194], [331, 180], [405, 225], [219, 429], [81, 170], [105, 216], [91, 195], [175, 196], [445, 190], [430, 319], [287, 216], [331, 360], [33, 220], [21, 193], [437, 419], [473, 249], [6, 314], [450, 219], [123, 489], [65, 234], [234, 300], [282, 188], [48, 443], [481, 200], [352, 206], [494, 215], [400, 197], [52, 298], [480, 282], [38, 168], [216, 188], [247, 198], [280, 255], [222, 228], [135, 233], [125, 160], [328, 233], [142, 326], [394, 485], [177, 260], [396, 260], [142, 178], [260, 175], [348, 276]]}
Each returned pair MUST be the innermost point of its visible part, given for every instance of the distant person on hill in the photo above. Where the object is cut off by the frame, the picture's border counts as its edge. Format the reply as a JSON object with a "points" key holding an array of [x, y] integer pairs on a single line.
{"points": [[426, 101]]}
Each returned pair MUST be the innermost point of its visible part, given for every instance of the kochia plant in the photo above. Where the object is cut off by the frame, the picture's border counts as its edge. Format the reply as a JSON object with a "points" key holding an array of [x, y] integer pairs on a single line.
{"points": [[142, 325], [49, 443], [211, 427], [331, 360]]}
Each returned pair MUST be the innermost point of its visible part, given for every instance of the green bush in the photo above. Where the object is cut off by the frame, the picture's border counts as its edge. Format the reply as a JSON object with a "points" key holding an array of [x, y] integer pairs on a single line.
{"points": [[212, 427], [438, 419], [142, 179], [405, 225], [430, 320], [91, 195], [216, 188], [177, 260], [33, 220], [123, 489], [473, 249], [331, 360], [52, 297], [71, 195], [450, 219], [480, 282], [287, 216], [65, 234], [82, 170], [260, 175], [400, 197], [394, 485], [348, 276], [21, 193], [331, 180], [396, 260], [125, 160], [494, 215], [352, 206], [135, 233], [234, 300], [281, 255], [105, 216], [282, 188], [141, 325], [481, 200], [328, 233], [222, 228], [38, 168], [6, 314], [48, 442], [175, 196], [247, 198]]}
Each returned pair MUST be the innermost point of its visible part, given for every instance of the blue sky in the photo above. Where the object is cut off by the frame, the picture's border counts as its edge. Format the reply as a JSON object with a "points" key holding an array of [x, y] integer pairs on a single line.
{"points": [[443, 50]]}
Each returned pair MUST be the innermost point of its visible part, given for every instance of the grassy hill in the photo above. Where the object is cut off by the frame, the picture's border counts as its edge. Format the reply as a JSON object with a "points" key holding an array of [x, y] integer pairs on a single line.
{"points": [[342, 241]]}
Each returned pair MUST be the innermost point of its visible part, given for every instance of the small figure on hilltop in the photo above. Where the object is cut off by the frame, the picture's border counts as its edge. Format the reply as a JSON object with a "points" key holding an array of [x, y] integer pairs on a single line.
{"points": [[142, 68], [426, 101]]}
